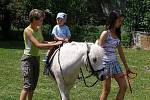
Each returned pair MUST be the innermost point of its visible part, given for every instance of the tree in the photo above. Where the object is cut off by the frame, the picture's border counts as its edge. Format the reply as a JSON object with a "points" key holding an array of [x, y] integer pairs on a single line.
{"points": [[138, 15], [5, 18]]}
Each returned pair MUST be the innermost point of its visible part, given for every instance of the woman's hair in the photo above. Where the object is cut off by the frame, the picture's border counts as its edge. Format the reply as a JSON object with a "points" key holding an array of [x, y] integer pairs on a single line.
{"points": [[113, 16], [36, 14]]}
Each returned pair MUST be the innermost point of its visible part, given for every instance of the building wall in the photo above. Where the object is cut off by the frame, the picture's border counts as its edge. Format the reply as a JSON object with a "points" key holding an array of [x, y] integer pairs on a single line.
{"points": [[145, 42]]}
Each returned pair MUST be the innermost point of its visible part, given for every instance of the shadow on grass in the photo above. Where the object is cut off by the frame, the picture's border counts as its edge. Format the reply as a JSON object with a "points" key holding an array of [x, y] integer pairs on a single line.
{"points": [[12, 44]]}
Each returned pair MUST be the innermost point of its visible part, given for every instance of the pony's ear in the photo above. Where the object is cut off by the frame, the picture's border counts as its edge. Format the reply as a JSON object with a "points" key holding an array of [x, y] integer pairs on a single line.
{"points": [[89, 46], [97, 42]]}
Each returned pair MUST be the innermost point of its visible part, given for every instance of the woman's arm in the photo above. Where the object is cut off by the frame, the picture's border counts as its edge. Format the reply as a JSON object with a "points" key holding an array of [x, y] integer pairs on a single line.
{"points": [[122, 56], [49, 42], [102, 38], [37, 43]]}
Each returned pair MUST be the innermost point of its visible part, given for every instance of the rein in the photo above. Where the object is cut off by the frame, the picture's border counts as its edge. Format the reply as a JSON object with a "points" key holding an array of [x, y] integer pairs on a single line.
{"points": [[59, 61], [128, 77], [90, 65]]}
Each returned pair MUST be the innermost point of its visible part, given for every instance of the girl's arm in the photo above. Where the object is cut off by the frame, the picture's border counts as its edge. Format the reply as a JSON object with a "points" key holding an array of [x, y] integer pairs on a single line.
{"points": [[102, 38], [37, 43], [121, 54], [49, 42]]}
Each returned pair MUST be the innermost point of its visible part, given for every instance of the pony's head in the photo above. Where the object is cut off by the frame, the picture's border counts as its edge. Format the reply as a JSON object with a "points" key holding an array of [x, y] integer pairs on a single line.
{"points": [[96, 54]]}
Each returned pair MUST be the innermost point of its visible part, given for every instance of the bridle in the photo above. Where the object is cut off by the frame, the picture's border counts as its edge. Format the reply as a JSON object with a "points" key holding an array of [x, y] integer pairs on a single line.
{"points": [[93, 72], [89, 64]]}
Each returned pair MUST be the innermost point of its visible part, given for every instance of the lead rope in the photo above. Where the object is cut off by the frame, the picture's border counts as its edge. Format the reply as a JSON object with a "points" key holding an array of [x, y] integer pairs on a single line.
{"points": [[87, 77], [59, 61], [93, 72]]}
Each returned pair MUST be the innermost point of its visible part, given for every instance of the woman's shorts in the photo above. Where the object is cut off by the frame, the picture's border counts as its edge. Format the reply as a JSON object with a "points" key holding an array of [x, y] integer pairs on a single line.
{"points": [[113, 67], [30, 71]]}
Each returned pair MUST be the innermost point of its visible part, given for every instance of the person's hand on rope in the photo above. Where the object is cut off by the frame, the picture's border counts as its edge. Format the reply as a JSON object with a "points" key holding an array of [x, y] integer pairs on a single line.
{"points": [[57, 42], [66, 40], [130, 74]]}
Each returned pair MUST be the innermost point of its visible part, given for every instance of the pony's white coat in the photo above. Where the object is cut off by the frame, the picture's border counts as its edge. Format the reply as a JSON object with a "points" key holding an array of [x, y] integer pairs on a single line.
{"points": [[72, 56]]}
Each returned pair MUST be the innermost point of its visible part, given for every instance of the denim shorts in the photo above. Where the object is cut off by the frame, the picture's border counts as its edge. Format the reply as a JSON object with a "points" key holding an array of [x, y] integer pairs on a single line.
{"points": [[114, 67], [30, 71]]}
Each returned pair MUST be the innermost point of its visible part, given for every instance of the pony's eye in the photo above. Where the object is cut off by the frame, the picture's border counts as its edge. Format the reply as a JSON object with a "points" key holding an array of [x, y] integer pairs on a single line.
{"points": [[94, 60]]}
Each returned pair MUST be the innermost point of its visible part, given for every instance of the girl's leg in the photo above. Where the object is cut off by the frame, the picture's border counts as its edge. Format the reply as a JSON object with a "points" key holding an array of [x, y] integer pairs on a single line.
{"points": [[106, 89], [30, 95], [120, 78], [23, 94]]}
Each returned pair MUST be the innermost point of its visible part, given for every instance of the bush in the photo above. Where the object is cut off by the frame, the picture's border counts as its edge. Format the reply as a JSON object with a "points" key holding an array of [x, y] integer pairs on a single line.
{"points": [[47, 29], [126, 38], [87, 33], [15, 35]]}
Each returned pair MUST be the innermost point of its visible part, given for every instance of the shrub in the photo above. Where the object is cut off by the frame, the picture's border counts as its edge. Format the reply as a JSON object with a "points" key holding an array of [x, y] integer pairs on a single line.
{"points": [[87, 33], [47, 29], [126, 38]]}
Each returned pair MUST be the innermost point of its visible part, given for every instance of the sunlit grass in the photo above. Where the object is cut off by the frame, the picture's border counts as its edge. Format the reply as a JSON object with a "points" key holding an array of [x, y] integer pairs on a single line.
{"points": [[11, 79]]}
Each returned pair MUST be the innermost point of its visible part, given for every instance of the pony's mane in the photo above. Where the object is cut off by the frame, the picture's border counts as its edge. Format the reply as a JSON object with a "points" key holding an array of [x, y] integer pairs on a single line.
{"points": [[96, 49], [80, 44]]}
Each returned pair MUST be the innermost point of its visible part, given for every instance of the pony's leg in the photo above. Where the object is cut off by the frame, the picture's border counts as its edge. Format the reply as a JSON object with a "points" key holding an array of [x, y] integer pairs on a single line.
{"points": [[68, 88], [62, 88]]}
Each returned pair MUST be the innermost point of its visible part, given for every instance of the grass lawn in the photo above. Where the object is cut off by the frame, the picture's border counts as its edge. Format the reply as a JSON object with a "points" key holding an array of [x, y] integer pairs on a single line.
{"points": [[11, 79]]}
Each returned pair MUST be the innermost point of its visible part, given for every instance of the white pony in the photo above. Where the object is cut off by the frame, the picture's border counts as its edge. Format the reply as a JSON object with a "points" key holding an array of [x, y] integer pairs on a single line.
{"points": [[67, 62]]}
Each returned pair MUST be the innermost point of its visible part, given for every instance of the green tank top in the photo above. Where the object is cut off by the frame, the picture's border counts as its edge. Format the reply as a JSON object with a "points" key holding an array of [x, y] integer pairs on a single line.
{"points": [[30, 48]]}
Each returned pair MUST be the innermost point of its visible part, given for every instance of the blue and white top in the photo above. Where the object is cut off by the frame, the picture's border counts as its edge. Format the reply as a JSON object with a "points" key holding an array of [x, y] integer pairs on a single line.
{"points": [[109, 47], [61, 31]]}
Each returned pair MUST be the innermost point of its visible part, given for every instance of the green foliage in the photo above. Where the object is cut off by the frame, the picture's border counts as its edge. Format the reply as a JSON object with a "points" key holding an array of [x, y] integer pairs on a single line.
{"points": [[126, 38], [84, 16], [86, 32], [17, 14], [137, 18], [46, 29], [138, 15]]}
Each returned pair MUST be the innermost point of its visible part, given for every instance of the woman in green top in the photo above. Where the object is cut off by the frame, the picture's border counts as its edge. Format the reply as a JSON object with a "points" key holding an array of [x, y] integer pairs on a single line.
{"points": [[33, 40]]}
